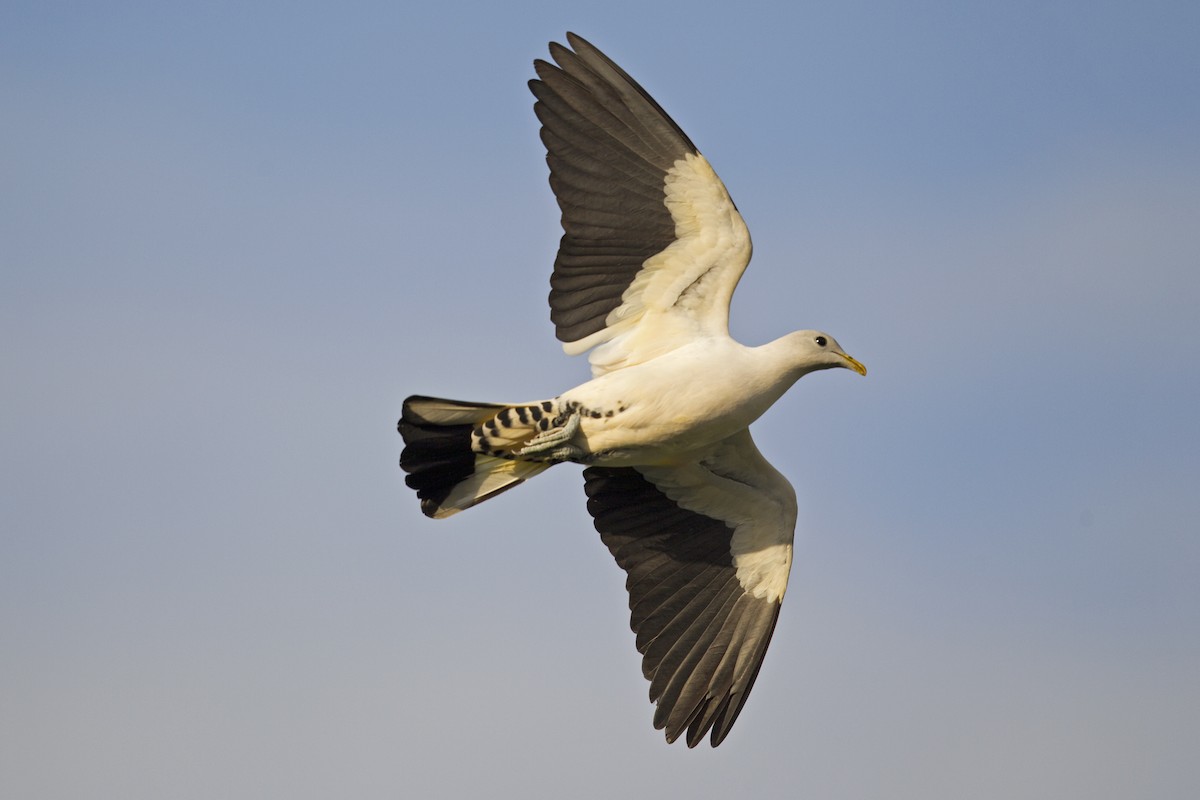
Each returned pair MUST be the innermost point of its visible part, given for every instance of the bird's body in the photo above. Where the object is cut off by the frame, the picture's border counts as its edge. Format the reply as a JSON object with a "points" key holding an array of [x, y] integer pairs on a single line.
{"points": [[653, 248], [660, 411]]}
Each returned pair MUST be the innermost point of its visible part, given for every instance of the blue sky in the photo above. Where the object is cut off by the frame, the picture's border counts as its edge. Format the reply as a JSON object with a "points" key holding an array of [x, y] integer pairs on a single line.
{"points": [[234, 237]]}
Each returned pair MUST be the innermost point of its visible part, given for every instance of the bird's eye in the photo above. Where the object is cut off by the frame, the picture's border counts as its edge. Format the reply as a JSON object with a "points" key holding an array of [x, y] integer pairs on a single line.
{"points": [[821, 341]]}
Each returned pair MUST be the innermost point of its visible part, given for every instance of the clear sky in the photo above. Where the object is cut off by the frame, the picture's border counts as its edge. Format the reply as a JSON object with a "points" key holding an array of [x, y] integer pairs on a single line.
{"points": [[234, 236]]}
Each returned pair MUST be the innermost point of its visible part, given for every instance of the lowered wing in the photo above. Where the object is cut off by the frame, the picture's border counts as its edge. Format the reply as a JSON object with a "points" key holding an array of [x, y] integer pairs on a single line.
{"points": [[707, 547]]}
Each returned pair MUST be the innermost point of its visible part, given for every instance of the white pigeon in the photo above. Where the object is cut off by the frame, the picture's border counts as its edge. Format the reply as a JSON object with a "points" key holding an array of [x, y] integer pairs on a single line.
{"points": [[652, 249]]}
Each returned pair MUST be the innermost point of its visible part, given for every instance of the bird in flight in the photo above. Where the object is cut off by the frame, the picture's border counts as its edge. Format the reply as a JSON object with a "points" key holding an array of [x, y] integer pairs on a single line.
{"points": [[702, 524]]}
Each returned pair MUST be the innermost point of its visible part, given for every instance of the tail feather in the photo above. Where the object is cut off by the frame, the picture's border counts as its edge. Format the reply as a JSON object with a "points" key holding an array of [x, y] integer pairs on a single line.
{"points": [[438, 411], [442, 463]]}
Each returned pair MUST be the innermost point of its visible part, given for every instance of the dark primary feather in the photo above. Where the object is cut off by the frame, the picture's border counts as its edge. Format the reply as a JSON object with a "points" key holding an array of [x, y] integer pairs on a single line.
{"points": [[609, 146], [701, 636]]}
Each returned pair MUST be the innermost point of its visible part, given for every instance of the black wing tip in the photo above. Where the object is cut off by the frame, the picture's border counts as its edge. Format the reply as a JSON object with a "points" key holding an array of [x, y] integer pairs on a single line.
{"points": [[581, 48], [574, 41]]}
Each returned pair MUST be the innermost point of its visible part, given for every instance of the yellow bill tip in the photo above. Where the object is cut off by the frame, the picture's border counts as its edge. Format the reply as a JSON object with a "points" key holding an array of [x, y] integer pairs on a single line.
{"points": [[854, 364]]}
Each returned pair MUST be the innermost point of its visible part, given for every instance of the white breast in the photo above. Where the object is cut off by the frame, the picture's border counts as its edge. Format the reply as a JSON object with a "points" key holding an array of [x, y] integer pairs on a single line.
{"points": [[687, 399]]}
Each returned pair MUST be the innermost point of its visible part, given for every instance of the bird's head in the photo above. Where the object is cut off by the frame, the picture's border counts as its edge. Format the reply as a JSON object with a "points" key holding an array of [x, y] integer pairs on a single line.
{"points": [[814, 350]]}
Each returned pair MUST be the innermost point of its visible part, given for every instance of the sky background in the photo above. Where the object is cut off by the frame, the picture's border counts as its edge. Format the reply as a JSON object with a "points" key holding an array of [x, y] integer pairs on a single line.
{"points": [[233, 237]]}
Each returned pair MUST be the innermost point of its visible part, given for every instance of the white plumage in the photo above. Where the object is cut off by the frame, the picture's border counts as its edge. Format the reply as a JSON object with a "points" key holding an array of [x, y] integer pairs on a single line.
{"points": [[652, 250]]}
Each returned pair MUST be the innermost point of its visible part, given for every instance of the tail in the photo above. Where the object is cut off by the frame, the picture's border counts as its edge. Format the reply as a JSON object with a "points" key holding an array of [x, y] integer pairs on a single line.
{"points": [[442, 453]]}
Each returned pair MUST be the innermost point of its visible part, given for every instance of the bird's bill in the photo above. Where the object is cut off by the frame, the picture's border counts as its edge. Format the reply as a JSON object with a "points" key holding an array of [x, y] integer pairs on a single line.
{"points": [[854, 364]]}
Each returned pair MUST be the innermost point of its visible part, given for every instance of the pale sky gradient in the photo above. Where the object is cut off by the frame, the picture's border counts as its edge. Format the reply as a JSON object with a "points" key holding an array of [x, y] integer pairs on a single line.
{"points": [[234, 237]]}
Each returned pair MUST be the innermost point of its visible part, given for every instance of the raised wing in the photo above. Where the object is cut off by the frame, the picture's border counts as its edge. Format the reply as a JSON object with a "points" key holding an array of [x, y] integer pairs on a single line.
{"points": [[652, 244], [707, 548]]}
